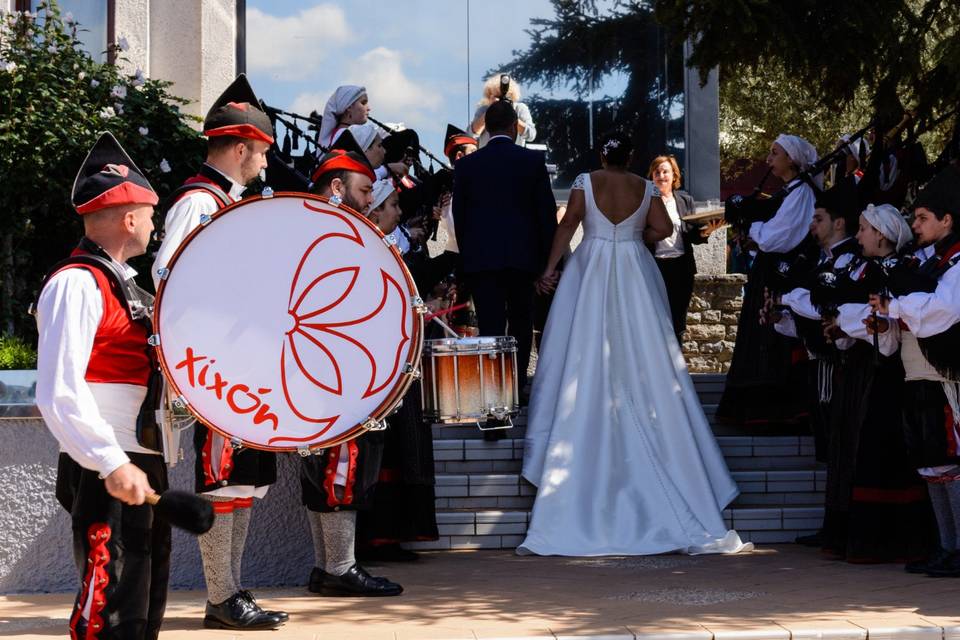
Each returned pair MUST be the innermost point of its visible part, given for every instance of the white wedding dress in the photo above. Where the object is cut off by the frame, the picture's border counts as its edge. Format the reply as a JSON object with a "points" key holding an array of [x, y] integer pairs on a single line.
{"points": [[617, 443]]}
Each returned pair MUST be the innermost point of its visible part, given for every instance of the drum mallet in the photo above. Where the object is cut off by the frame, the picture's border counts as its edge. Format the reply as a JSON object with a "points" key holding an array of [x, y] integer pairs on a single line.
{"points": [[183, 510]]}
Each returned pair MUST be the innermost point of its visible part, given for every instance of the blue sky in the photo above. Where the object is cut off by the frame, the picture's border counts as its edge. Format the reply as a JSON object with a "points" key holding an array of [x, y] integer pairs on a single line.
{"points": [[412, 56]]}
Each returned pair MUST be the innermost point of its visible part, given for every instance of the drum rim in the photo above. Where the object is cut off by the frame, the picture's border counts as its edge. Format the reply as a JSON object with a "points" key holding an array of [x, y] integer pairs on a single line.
{"points": [[471, 343], [407, 376]]}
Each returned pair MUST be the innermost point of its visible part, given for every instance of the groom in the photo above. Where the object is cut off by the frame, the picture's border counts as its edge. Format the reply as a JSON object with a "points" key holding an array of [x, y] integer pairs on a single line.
{"points": [[504, 219]]}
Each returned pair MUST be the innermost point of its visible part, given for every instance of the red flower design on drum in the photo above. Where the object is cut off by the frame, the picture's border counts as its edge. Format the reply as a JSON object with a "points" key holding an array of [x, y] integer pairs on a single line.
{"points": [[330, 315]]}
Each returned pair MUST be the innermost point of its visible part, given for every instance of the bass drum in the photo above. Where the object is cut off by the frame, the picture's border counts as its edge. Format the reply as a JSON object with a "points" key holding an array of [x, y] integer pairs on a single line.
{"points": [[288, 323]]}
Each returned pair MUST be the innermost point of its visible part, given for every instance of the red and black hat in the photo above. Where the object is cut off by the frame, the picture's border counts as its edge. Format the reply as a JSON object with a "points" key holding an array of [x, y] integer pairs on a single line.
{"points": [[108, 178], [340, 160], [456, 137], [237, 113]]}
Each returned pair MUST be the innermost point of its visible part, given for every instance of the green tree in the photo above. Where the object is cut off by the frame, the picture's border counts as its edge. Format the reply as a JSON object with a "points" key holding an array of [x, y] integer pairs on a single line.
{"points": [[806, 62], [54, 99]]}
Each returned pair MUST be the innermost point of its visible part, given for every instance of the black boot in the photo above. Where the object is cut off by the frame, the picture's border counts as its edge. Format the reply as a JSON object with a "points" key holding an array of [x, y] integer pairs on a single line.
{"points": [[949, 567], [356, 582], [236, 612], [932, 561], [282, 615]]}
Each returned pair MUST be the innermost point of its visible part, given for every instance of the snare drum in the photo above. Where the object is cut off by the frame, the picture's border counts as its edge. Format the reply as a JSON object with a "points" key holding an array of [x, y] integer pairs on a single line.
{"points": [[469, 379], [288, 323]]}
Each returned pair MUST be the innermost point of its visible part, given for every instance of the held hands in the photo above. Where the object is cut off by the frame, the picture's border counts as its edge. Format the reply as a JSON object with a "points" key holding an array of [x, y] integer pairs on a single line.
{"points": [[880, 304], [128, 484], [547, 283]]}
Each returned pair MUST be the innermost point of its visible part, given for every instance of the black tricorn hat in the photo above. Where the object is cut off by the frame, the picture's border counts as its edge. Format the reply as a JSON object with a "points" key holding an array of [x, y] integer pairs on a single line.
{"points": [[942, 194], [843, 201], [108, 178], [397, 143], [237, 113], [456, 137]]}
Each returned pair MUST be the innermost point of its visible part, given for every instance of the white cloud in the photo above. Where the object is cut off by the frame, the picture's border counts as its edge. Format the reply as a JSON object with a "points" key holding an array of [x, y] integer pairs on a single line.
{"points": [[291, 47], [394, 97]]}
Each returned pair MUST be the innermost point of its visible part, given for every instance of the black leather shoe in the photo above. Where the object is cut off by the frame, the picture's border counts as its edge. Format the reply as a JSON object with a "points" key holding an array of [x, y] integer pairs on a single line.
{"points": [[812, 540], [282, 615], [949, 567], [236, 612], [317, 578], [356, 582], [932, 561]]}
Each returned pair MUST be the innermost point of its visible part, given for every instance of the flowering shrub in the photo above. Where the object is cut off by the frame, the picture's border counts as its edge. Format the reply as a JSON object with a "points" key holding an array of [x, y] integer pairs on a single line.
{"points": [[54, 100]]}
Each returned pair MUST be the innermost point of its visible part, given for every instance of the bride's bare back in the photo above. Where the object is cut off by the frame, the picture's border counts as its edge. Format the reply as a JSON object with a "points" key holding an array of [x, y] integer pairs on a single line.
{"points": [[618, 194]]}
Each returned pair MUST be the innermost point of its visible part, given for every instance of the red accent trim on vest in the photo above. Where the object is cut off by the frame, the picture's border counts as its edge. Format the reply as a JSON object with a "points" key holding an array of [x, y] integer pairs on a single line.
{"points": [[890, 496], [952, 251], [224, 459], [199, 178], [352, 451], [223, 508], [98, 535], [242, 503], [247, 131], [123, 193], [330, 473], [120, 353]]}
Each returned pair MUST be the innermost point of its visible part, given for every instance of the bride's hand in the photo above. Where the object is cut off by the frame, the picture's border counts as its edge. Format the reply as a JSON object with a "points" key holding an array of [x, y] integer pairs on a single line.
{"points": [[547, 282]]}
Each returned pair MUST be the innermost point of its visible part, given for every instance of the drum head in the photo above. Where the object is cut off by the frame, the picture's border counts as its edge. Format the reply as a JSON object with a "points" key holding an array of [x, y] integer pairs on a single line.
{"points": [[288, 322]]}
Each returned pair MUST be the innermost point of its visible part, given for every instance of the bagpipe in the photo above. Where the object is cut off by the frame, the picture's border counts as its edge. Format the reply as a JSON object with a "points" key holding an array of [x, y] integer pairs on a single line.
{"points": [[741, 211]]}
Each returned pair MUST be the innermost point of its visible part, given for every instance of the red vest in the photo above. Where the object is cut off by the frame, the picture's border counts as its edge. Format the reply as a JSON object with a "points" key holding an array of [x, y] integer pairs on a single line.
{"points": [[120, 351]]}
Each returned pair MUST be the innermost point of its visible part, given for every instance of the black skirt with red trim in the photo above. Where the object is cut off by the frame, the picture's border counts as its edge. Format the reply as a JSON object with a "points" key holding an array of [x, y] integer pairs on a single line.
{"points": [[928, 425], [877, 508], [318, 490]]}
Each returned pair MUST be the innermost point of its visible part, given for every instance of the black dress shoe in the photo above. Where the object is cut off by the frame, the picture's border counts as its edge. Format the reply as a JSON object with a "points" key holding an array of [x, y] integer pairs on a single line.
{"points": [[282, 615], [356, 582], [317, 577], [949, 567], [812, 540], [932, 561], [236, 612]]}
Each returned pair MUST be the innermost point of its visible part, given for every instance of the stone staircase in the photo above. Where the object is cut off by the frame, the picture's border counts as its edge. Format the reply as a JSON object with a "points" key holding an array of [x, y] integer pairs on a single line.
{"points": [[483, 503]]}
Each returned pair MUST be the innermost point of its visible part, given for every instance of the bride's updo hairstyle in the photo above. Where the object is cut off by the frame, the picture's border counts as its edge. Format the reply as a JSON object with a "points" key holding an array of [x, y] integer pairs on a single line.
{"points": [[616, 149]]}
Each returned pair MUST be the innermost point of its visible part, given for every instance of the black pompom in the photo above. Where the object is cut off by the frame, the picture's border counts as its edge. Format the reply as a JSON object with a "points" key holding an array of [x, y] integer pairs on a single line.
{"points": [[186, 511]]}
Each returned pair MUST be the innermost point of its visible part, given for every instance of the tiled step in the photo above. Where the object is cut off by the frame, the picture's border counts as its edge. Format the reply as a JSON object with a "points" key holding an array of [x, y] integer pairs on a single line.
{"points": [[505, 529], [478, 491], [742, 453]]}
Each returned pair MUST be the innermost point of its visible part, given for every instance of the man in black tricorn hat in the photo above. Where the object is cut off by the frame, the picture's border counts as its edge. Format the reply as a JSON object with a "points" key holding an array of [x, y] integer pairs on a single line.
{"points": [[239, 135], [93, 372]]}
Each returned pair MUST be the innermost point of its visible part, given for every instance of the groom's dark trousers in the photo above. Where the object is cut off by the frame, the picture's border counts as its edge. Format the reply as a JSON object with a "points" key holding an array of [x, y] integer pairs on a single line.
{"points": [[504, 217]]}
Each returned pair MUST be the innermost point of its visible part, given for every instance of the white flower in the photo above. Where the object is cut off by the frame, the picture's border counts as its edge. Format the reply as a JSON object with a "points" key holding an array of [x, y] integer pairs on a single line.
{"points": [[143, 131], [10, 67], [52, 48], [123, 44], [165, 166], [118, 108], [68, 18], [138, 78], [81, 75], [119, 91], [94, 83], [107, 112]]}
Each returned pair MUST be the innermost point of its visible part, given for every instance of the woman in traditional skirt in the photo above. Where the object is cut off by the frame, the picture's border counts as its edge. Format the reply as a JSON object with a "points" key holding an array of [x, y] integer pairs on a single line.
{"points": [[877, 509]]}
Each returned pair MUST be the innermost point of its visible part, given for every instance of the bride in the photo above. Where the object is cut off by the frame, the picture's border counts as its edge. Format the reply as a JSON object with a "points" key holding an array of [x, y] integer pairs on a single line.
{"points": [[617, 443]]}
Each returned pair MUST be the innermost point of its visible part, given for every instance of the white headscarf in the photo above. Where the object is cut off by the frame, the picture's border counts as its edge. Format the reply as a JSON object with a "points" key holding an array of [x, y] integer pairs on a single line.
{"points": [[339, 102], [364, 134], [886, 219], [801, 152], [381, 191]]}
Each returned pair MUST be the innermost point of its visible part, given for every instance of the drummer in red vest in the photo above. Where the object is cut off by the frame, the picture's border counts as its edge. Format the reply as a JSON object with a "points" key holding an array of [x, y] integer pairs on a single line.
{"points": [[338, 481], [94, 370], [238, 134]]}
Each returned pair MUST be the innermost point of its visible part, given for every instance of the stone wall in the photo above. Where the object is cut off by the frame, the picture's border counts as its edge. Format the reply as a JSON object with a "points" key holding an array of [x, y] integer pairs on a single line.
{"points": [[712, 322]]}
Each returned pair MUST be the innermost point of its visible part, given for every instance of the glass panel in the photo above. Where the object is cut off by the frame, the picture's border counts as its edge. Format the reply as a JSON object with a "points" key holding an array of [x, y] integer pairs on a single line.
{"points": [[425, 65], [92, 18]]}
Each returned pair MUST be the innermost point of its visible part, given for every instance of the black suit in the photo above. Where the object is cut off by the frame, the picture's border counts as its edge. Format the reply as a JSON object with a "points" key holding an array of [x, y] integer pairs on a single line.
{"points": [[504, 218], [678, 272]]}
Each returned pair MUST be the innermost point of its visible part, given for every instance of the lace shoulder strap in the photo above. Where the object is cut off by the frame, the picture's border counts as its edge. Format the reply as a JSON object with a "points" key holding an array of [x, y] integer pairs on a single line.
{"points": [[580, 181]]}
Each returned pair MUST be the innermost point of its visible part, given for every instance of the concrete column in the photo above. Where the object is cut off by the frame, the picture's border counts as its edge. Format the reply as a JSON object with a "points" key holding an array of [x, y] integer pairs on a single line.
{"points": [[702, 111], [193, 45], [131, 20]]}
